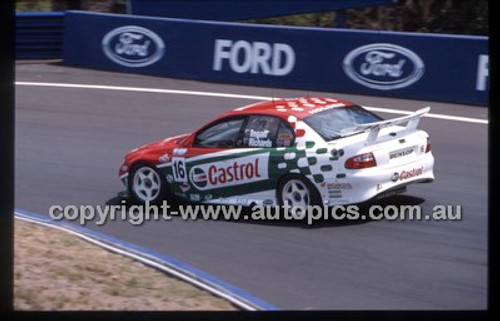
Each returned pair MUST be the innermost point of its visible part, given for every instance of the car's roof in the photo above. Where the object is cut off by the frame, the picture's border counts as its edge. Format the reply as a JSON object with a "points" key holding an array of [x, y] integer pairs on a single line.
{"points": [[301, 107]]}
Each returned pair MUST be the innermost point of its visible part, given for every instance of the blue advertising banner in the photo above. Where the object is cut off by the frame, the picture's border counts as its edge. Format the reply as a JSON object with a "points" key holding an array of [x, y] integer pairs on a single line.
{"points": [[406, 65]]}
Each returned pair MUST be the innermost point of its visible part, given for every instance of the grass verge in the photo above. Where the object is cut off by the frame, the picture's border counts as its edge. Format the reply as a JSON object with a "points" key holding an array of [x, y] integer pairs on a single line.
{"points": [[54, 270]]}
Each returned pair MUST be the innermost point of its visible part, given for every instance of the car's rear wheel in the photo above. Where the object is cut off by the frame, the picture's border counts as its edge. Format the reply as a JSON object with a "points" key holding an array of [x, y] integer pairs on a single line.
{"points": [[146, 185], [297, 192]]}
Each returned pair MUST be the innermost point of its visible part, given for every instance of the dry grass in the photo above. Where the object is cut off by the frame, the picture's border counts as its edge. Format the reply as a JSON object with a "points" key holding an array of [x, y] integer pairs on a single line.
{"points": [[57, 271]]}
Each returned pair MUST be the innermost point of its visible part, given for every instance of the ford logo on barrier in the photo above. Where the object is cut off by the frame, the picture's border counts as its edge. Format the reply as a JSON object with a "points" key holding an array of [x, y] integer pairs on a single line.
{"points": [[383, 66], [133, 46]]}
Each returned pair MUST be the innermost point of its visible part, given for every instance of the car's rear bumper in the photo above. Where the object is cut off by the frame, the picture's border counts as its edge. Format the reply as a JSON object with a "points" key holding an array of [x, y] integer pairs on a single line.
{"points": [[364, 184]]}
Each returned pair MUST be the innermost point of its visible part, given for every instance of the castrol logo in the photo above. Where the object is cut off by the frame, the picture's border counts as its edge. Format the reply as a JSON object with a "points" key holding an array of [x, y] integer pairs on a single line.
{"points": [[407, 174], [236, 171]]}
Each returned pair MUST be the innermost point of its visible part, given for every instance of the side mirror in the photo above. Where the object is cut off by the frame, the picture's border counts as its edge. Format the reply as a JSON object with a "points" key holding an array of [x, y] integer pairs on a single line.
{"points": [[189, 141]]}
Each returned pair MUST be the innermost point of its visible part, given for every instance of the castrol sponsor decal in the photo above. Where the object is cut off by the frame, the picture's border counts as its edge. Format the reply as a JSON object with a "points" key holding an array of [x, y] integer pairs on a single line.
{"points": [[407, 174], [235, 171]]}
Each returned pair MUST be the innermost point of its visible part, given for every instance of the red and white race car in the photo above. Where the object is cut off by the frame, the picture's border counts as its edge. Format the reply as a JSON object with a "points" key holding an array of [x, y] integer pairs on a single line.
{"points": [[300, 151]]}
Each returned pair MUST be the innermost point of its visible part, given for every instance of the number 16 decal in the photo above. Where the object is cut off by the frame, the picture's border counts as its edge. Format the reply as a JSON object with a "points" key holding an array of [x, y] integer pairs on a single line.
{"points": [[179, 169]]}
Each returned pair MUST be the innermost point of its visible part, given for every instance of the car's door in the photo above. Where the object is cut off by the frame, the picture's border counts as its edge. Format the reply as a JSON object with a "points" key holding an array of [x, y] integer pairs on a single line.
{"points": [[234, 160], [274, 137], [191, 165]]}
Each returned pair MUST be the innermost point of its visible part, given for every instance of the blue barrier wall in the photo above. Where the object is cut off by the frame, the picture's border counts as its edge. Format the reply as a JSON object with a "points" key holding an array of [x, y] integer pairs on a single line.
{"points": [[39, 35], [406, 65]]}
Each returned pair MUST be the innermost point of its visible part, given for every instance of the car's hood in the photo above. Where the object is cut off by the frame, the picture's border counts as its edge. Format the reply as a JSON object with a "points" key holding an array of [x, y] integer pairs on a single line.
{"points": [[155, 149]]}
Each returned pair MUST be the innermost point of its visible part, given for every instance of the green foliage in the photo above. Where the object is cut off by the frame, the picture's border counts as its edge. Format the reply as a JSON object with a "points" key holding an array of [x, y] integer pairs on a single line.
{"points": [[437, 16], [33, 5], [115, 6], [324, 19]]}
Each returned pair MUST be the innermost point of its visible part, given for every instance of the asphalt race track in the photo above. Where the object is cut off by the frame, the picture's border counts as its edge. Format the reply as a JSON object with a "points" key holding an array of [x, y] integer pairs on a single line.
{"points": [[71, 141]]}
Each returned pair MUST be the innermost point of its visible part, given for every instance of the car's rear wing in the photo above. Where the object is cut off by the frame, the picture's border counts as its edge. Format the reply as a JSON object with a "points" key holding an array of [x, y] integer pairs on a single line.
{"points": [[411, 121]]}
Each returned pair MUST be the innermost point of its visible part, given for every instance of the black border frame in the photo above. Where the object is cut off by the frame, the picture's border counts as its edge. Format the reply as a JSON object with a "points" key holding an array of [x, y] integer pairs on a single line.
{"points": [[7, 131], [7, 122]]}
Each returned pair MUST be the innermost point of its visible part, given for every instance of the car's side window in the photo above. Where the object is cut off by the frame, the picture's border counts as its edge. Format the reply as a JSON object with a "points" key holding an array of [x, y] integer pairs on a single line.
{"points": [[261, 131], [223, 134], [285, 135]]}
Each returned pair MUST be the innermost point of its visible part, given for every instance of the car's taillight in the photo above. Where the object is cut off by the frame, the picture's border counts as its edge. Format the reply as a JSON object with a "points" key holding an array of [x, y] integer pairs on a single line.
{"points": [[428, 148], [361, 161]]}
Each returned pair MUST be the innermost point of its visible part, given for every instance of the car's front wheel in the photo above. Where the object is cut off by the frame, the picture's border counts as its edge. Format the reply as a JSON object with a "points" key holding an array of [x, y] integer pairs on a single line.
{"points": [[146, 185]]}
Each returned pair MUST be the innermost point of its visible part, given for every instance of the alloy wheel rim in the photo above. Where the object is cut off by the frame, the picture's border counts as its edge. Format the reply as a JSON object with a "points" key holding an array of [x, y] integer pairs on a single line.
{"points": [[146, 184], [295, 193]]}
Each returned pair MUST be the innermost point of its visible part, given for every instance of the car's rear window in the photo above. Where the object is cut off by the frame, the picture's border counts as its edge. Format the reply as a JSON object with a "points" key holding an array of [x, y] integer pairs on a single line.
{"points": [[330, 122]]}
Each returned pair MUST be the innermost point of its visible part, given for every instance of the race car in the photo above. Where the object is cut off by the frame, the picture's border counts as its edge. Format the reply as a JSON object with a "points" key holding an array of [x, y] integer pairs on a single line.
{"points": [[297, 151]]}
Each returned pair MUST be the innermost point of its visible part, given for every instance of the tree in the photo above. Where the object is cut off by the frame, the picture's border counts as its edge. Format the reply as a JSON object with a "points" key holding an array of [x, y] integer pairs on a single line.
{"points": [[63, 5]]}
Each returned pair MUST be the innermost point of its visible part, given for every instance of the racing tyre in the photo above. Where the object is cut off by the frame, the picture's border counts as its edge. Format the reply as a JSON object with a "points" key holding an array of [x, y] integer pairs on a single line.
{"points": [[297, 192], [146, 184]]}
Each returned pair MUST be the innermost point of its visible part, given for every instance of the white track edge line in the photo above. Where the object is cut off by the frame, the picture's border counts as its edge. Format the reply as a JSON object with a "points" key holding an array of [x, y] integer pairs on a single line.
{"points": [[145, 261], [238, 96]]}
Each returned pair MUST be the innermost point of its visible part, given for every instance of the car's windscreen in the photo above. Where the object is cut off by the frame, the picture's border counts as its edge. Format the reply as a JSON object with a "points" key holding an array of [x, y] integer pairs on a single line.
{"points": [[329, 123]]}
